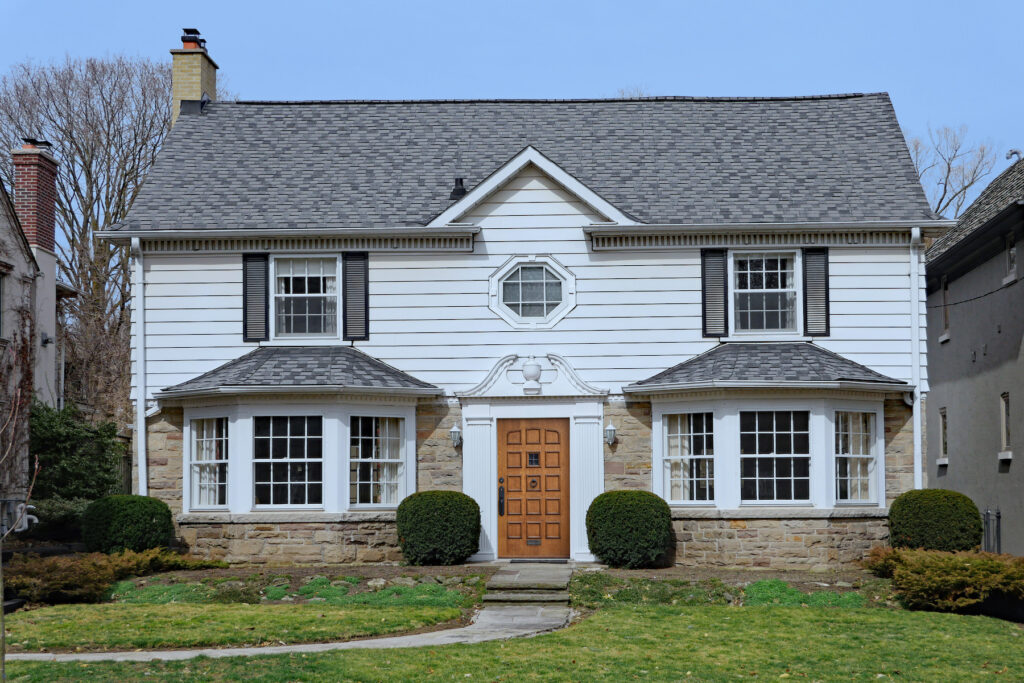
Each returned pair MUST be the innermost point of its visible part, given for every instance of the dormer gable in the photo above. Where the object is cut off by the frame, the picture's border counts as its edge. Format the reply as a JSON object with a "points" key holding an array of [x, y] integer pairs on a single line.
{"points": [[530, 184]]}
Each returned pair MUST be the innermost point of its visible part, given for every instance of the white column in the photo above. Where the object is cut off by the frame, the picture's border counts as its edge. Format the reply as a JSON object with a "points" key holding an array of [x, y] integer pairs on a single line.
{"points": [[586, 476], [479, 478]]}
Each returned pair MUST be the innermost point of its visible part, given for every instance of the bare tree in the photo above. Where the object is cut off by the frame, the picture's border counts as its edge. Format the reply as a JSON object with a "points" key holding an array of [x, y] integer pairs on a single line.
{"points": [[948, 166], [632, 92], [106, 119]]}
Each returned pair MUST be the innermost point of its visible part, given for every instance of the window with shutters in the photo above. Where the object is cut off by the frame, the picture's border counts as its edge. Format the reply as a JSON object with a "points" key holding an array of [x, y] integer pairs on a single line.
{"points": [[306, 297], [765, 292], [531, 292]]}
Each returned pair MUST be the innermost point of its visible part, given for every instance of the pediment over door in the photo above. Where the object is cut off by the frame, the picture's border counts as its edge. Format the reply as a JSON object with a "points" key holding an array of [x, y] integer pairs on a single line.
{"points": [[516, 376]]}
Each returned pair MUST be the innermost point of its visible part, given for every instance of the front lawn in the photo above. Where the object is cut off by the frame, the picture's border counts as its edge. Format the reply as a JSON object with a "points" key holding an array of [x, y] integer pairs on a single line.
{"points": [[148, 626], [710, 643]]}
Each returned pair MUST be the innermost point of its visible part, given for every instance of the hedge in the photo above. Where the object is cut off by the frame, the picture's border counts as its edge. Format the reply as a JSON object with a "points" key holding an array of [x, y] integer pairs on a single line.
{"points": [[629, 529], [438, 527], [119, 523], [934, 519]]}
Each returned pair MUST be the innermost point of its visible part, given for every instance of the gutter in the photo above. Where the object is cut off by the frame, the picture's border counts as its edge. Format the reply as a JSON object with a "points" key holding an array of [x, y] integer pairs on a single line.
{"points": [[916, 243], [139, 294], [931, 228], [317, 230], [883, 387], [297, 389]]}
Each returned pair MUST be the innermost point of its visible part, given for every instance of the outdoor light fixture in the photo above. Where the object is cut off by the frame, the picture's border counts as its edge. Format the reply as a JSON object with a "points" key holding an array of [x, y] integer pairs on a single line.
{"points": [[609, 434], [456, 435]]}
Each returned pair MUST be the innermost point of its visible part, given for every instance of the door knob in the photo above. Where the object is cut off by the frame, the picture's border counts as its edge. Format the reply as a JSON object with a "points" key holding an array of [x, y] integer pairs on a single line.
{"points": [[501, 501]]}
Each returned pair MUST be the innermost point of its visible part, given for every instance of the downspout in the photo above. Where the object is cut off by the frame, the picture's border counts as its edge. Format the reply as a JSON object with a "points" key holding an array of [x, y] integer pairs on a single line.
{"points": [[915, 339], [139, 295]]}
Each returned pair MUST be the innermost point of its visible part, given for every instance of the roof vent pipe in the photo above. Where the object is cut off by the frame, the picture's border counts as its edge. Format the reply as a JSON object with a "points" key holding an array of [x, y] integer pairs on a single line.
{"points": [[1012, 153], [459, 191]]}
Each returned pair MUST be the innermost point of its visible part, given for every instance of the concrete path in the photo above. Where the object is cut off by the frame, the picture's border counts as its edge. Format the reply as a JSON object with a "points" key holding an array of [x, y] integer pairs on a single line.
{"points": [[498, 622]]}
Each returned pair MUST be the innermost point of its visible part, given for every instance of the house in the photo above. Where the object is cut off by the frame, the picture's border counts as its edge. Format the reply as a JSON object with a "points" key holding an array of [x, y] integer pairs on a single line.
{"points": [[976, 356], [28, 304], [337, 304]]}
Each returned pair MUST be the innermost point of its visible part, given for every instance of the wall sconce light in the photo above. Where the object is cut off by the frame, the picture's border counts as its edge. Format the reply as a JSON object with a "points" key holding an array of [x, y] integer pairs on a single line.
{"points": [[47, 339], [456, 436], [609, 434]]}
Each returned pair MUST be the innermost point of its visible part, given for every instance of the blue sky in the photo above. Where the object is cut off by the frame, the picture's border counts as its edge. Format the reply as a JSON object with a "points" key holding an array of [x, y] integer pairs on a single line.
{"points": [[944, 63]]}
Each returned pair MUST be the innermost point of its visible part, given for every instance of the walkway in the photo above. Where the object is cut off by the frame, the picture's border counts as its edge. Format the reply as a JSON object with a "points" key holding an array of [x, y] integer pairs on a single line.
{"points": [[493, 622]]}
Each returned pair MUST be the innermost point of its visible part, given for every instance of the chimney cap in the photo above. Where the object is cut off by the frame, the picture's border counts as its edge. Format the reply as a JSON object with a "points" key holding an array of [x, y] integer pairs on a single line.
{"points": [[33, 142], [191, 31], [191, 40]]}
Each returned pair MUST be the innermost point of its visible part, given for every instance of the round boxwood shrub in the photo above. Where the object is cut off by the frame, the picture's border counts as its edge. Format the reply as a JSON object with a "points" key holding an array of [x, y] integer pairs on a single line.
{"points": [[438, 527], [629, 528], [119, 523], [934, 519]]}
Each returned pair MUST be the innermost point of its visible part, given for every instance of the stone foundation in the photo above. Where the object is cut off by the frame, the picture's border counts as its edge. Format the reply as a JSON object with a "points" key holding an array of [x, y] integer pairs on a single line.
{"points": [[814, 540], [314, 538]]}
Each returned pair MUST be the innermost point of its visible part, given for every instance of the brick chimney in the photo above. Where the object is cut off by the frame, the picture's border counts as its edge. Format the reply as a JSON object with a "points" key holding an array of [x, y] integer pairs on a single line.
{"points": [[193, 73], [35, 192]]}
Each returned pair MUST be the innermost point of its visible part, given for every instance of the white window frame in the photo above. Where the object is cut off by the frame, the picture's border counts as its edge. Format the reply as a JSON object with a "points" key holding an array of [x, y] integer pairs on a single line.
{"points": [[797, 333], [1005, 422], [727, 447], [336, 415], [271, 412], [496, 304], [191, 464], [776, 456], [943, 438], [1011, 255], [402, 461], [876, 473], [306, 339], [667, 458]]}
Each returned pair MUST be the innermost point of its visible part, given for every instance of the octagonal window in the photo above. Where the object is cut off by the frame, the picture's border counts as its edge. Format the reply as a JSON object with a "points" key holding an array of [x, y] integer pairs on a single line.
{"points": [[532, 291]]}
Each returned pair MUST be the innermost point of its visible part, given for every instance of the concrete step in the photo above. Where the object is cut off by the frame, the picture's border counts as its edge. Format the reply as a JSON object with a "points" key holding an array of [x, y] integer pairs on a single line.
{"points": [[527, 597], [499, 584]]}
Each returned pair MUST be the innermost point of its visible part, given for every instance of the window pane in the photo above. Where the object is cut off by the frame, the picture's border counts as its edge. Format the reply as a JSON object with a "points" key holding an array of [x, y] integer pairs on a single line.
{"points": [[689, 478], [776, 475], [375, 450], [305, 297], [293, 445], [531, 291], [209, 470], [854, 436]]}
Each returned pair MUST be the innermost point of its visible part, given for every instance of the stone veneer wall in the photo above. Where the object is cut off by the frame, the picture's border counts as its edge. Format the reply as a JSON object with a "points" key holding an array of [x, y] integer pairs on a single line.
{"points": [[627, 462], [814, 540], [164, 452], [438, 463], [899, 447]]}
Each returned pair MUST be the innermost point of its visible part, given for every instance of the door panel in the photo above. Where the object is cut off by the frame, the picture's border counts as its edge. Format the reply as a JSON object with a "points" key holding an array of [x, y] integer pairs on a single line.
{"points": [[533, 468]]}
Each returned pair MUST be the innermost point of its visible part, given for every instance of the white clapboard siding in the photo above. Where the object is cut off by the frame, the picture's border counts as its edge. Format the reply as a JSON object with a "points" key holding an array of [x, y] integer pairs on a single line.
{"points": [[636, 313]]}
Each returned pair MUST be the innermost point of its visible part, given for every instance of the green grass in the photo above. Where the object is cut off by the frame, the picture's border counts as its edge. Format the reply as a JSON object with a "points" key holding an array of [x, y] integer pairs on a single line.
{"points": [[597, 589], [776, 592], [169, 625], [666, 643]]}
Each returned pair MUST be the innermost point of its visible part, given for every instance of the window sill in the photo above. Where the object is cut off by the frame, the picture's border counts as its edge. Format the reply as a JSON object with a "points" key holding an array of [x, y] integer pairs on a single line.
{"points": [[766, 337], [304, 341], [286, 517], [1005, 455], [685, 512], [942, 462], [1009, 279], [944, 337]]}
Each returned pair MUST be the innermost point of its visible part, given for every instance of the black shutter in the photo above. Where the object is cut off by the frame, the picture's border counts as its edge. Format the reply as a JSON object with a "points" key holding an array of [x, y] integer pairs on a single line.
{"points": [[714, 292], [816, 292], [355, 297], [255, 303]]}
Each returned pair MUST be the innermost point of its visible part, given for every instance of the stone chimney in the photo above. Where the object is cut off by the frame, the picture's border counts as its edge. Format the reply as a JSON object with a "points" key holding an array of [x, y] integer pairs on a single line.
{"points": [[193, 73], [35, 192]]}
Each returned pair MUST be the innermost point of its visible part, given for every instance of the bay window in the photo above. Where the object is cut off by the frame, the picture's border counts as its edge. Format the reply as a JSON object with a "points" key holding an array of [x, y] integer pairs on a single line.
{"points": [[689, 457], [855, 460], [209, 462], [775, 456], [288, 460], [375, 460]]}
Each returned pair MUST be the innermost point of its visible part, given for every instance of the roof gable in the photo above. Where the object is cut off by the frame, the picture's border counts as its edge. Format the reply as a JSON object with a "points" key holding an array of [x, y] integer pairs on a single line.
{"points": [[515, 166]]}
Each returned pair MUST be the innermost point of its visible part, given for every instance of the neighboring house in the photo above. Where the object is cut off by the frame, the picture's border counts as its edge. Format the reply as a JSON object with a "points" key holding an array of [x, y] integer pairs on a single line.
{"points": [[976, 354], [28, 301], [337, 304]]}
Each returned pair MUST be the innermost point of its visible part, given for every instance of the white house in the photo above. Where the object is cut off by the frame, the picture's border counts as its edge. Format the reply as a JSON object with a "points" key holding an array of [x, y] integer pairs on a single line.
{"points": [[337, 304]]}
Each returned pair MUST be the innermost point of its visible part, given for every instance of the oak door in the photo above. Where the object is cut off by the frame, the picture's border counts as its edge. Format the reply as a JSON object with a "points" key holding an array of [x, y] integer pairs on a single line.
{"points": [[533, 488]]}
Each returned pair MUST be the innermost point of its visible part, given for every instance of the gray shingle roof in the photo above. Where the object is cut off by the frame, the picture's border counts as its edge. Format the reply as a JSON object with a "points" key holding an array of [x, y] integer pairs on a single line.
{"points": [[266, 165], [304, 366], [760, 362], [1007, 188]]}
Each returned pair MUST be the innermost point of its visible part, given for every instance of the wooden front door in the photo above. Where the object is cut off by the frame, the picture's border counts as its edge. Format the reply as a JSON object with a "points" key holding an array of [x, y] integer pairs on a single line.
{"points": [[533, 488]]}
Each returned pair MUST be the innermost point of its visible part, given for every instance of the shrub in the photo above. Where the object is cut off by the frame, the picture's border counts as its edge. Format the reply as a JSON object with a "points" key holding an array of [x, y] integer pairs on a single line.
{"points": [[882, 561], [126, 523], [934, 519], [954, 582], [629, 528], [60, 519], [76, 459], [87, 577], [438, 527]]}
